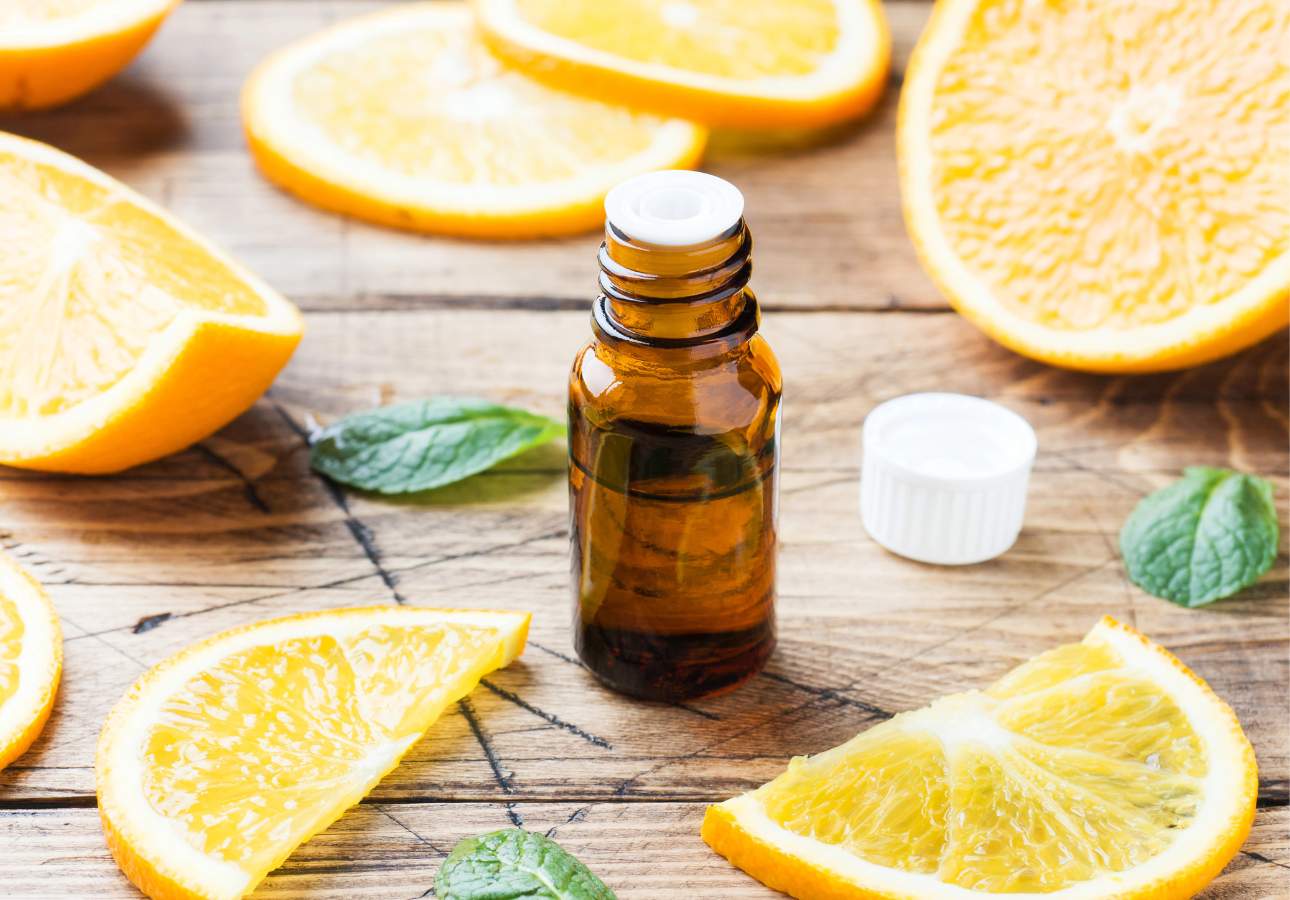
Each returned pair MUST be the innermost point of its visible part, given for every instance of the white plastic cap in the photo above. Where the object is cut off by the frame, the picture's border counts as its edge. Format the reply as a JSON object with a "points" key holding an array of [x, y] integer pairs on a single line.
{"points": [[674, 208], [944, 477]]}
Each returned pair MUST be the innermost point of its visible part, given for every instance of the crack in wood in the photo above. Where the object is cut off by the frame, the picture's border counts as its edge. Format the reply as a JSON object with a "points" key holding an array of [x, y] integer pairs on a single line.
{"points": [[339, 582], [485, 551], [31, 557], [362, 535], [249, 489], [851, 478], [1104, 477], [830, 694], [186, 615], [494, 761], [577, 815], [542, 714], [694, 710], [505, 579], [564, 657], [1263, 859], [557, 654], [98, 639], [367, 541], [147, 623], [1009, 607], [412, 831]]}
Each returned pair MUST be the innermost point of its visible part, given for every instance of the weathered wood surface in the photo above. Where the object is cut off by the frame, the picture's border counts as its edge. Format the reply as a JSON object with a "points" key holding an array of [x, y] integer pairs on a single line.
{"points": [[238, 528], [647, 851]]}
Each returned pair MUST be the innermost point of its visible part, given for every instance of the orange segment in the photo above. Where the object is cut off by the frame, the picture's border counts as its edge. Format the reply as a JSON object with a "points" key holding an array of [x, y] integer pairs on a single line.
{"points": [[1100, 769], [123, 336], [31, 660], [404, 118], [52, 51], [836, 802], [745, 63], [1095, 185], [220, 761]]}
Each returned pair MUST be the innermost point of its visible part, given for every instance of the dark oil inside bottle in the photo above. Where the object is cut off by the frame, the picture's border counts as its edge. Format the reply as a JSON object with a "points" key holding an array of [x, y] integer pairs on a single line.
{"points": [[673, 552], [674, 412]]}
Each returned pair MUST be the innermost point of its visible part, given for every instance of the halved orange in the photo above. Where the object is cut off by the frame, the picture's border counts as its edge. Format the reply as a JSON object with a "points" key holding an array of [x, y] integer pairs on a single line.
{"points": [[741, 63], [123, 335], [404, 118], [52, 51], [1102, 186], [1103, 770], [31, 659]]}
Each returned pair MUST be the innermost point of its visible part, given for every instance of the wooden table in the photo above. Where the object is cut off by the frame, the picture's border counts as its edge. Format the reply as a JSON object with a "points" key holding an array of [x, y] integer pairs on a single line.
{"points": [[237, 528]]}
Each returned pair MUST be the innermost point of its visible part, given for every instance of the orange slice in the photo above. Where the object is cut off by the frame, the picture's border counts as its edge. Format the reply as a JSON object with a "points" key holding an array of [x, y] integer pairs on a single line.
{"points": [[123, 335], [223, 759], [405, 119], [52, 51], [742, 63], [1098, 186], [1103, 770], [31, 660]]}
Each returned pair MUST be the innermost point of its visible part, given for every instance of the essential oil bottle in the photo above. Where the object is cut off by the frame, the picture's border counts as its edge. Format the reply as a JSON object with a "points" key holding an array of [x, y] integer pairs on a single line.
{"points": [[674, 448]]}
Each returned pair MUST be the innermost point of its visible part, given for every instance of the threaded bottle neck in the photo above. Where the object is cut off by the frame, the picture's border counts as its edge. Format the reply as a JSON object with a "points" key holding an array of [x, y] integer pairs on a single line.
{"points": [[684, 296]]}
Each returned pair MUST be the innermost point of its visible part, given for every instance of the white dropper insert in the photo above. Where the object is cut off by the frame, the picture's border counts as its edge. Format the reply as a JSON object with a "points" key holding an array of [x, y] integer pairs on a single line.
{"points": [[674, 208]]}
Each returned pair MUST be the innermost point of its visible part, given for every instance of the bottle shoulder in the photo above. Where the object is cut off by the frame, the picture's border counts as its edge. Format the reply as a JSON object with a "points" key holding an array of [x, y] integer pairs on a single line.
{"points": [[740, 389], [599, 366], [764, 361]]}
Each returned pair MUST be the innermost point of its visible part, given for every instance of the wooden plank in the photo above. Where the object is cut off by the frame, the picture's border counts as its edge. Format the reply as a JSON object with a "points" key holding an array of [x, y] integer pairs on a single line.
{"points": [[826, 216], [240, 529], [643, 851], [144, 563]]}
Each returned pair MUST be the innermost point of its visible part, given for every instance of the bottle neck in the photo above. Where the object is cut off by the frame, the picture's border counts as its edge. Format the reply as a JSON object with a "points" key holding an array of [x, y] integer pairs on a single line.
{"points": [[677, 297]]}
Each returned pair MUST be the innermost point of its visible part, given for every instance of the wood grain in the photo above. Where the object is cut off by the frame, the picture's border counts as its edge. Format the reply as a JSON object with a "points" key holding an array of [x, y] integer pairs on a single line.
{"points": [[238, 528], [388, 851], [144, 563]]}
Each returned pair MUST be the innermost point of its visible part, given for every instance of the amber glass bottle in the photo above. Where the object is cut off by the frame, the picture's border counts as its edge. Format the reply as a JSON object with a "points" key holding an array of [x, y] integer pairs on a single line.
{"points": [[674, 450]]}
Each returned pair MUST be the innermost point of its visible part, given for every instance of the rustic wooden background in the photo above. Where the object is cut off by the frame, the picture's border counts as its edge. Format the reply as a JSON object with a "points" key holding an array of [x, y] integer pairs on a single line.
{"points": [[238, 529]]}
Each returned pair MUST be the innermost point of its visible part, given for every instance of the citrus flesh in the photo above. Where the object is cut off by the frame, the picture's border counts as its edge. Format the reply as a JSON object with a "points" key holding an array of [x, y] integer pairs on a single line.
{"points": [[52, 51], [744, 63], [1103, 769], [123, 336], [1097, 197], [31, 660], [224, 758], [25, 12], [406, 119]]}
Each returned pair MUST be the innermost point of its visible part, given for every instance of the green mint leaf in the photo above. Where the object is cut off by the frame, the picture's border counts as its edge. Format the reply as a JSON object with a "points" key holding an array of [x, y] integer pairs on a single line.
{"points": [[1202, 538], [426, 444], [516, 865]]}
